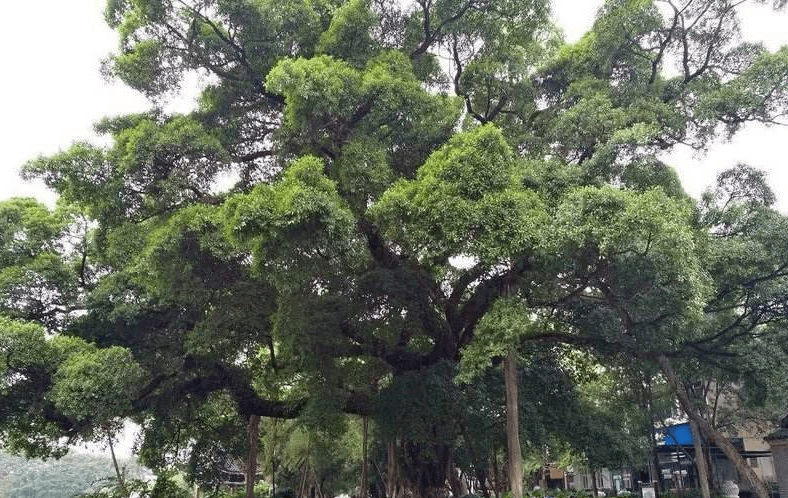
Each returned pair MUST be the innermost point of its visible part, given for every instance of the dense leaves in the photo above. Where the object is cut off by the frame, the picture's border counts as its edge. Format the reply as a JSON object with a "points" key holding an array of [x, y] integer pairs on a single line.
{"points": [[375, 200]]}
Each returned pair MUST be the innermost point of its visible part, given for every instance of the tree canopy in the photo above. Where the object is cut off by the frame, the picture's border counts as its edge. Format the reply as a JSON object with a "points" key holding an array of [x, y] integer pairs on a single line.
{"points": [[375, 197]]}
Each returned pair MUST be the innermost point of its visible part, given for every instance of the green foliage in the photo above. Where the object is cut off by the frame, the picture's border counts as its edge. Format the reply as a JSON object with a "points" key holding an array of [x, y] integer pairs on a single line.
{"points": [[755, 94], [60, 385], [464, 201], [142, 68], [37, 261], [506, 324], [98, 384], [347, 225], [285, 218], [166, 487], [348, 35]]}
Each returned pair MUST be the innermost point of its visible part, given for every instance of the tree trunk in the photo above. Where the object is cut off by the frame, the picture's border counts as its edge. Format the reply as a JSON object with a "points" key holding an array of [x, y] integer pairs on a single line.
{"points": [[513, 425], [304, 476], [118, 473], [709, 432], [274, 423], [391, 471], [709, 466], [593, 483], [273, 477], [456, 483], [656, 472], [251, 460], [496, 475], [425, 468], [700, 461], [655, 469], [481, 479], [363, 489]]}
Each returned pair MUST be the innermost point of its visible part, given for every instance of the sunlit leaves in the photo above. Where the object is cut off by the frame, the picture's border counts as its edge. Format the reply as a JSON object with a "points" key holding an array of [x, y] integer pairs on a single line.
{"points": [[636, 252], [143, 69], [98, 384], [297, 219], [38, 271], [348, 36], [328, 102], [315, 90], [154, 165], [464, 201], [50, 387], [332, 222]]}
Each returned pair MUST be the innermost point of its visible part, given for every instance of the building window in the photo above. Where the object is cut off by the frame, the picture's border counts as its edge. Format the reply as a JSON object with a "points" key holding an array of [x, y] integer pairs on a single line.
{"points": [[754, 463]]}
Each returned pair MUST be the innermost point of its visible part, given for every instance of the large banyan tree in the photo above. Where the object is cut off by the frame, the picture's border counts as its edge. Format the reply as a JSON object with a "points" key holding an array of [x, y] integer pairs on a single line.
{"points": [[371, 196]]}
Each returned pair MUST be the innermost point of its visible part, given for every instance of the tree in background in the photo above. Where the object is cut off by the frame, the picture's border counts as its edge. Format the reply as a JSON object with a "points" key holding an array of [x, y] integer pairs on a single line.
{"points": [[387, 215]]}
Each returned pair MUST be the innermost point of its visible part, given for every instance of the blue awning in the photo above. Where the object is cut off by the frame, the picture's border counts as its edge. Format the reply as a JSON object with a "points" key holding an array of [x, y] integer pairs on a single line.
{"points": [[675, 435]]}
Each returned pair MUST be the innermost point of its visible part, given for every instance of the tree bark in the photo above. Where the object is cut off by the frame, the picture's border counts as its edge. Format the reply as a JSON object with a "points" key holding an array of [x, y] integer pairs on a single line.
{"points": [[655, 469], [709, 466], [363, 489], [700, 460], [456, 483], [251, 460], [391, 471], [513, 425], [495, 474], [273, 478], [709, 432], [118, 473]]}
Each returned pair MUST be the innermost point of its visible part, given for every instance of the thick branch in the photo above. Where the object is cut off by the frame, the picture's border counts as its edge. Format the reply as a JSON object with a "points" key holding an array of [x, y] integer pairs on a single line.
{"points": [[429, 35], [398, 358], [708, 431]]}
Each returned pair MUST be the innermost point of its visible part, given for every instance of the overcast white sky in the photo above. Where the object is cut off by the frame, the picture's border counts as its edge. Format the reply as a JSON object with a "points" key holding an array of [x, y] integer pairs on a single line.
{"points": [[52, 90]]}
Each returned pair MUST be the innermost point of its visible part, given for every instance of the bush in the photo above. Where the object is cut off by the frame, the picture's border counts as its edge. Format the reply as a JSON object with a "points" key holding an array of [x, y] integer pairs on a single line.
{"points": [[167, 487]]}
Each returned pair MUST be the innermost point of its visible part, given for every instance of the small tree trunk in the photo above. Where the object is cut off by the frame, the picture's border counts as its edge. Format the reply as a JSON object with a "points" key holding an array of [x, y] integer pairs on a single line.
{"points": [[303, 487], [593, 485], [709, 432], [273, 477], [118, 473], [700, 461], [456, 483], [513, 424], [709, 466], [363, 489], [655, 469], [391, 471], [251, 460], [496, 474]]}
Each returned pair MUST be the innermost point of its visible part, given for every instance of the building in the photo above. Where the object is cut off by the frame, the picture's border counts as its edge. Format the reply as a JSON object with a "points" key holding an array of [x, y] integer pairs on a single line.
{"points": [[676, 451]]}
